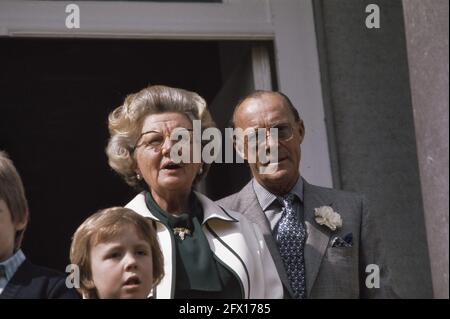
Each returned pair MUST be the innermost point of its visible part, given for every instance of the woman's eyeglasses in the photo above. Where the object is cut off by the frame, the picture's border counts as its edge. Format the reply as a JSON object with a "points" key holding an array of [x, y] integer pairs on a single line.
{"points": [[155, 139]]}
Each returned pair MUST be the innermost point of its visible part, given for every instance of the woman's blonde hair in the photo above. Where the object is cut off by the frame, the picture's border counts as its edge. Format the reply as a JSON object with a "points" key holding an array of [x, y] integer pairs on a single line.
{"points": [[13, 193], [103, 226], [125, 124]]}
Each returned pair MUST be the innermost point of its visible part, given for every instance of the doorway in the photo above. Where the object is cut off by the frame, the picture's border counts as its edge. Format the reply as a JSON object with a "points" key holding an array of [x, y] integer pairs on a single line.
{"points": [[56, 95]]}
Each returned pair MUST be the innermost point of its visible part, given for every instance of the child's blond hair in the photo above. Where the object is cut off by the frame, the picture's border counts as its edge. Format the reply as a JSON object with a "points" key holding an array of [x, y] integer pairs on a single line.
{"points": [[102, 227]]}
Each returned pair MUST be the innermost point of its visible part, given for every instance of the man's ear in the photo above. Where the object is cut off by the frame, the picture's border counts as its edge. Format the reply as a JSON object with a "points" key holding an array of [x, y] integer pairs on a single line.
{"points": [[301, 130]]}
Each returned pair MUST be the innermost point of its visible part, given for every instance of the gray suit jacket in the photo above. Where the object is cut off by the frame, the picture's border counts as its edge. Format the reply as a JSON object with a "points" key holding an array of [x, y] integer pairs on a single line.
{"points": [[331, 272]]}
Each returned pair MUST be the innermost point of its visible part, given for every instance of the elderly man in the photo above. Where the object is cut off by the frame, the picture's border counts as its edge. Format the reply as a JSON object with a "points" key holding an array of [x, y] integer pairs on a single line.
{"points": [[323, 241]]}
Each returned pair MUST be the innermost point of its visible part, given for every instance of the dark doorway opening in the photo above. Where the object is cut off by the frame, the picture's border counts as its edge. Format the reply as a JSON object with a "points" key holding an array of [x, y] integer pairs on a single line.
{"points": [[55, 97]]}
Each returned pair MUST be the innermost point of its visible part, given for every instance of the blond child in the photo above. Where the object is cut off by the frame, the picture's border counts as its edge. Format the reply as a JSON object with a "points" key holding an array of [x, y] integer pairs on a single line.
{"points": [[118, 255]]}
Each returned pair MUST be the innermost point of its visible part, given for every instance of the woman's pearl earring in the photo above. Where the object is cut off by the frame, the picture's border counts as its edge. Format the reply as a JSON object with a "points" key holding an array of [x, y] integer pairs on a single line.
{"points": [[138, 176]]}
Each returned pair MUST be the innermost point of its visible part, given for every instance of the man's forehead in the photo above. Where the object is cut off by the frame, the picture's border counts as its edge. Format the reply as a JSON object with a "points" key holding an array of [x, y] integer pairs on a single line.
{"points": [[267, 109], [266, 98]]}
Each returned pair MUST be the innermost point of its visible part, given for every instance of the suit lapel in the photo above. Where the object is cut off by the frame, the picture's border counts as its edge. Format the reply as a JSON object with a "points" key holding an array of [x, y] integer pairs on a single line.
{"points": [[17, 282], [10, 291], [228, 250], [224, 242], [318, 236], [166, 287], [253, 211]]}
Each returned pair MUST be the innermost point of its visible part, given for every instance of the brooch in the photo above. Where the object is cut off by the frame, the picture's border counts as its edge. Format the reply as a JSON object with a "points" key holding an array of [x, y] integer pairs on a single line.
{"points": [[181, 232]]}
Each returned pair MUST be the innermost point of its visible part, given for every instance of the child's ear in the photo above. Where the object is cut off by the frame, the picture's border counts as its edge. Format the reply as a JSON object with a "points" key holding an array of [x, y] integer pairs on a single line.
{"points": [[89, 288], [89, 284], [21, 224]]}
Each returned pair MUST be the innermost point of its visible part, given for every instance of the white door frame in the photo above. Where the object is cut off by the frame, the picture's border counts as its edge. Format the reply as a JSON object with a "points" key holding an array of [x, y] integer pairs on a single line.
{"points": [[289, 23]]}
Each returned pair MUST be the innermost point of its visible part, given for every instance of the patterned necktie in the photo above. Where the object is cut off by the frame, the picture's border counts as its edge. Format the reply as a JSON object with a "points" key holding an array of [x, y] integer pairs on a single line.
{"points": [[291, 237]]}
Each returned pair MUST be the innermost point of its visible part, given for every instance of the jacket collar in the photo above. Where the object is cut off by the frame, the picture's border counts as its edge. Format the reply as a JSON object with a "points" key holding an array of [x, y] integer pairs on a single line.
{"points": [[318, 237], [250, 207], [253, 211], [210, 209], [266, 198], [212, 213], [13, 263], [18, 282]]}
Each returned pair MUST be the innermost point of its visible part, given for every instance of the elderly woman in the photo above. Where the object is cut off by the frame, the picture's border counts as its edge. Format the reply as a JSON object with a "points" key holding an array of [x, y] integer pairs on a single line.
{"points": [[209, 252]]}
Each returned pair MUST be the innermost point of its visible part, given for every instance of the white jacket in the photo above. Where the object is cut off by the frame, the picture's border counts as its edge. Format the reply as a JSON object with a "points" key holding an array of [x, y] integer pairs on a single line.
{"points": [[236, 242]]}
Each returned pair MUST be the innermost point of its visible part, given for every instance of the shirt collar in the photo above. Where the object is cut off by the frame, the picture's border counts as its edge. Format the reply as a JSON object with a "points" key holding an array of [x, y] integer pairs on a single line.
{"points": [[11, 264], [266, 198]]}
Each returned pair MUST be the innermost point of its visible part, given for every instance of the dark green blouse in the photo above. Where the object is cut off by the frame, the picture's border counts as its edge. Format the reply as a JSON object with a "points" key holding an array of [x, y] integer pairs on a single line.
{"points": [[198, 273]]}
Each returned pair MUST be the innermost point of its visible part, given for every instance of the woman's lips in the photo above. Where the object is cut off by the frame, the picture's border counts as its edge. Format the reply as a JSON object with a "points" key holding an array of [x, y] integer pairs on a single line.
{"points": [[170, 166]]}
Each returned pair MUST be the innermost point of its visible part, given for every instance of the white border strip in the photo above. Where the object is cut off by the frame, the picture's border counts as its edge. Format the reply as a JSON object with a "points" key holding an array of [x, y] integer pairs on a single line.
{"points": [[248, 19], [299, 78]]}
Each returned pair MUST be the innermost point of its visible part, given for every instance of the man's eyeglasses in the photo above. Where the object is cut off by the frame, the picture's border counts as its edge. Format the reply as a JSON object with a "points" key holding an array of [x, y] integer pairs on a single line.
{"points": [[284, 133], [155, 139]]}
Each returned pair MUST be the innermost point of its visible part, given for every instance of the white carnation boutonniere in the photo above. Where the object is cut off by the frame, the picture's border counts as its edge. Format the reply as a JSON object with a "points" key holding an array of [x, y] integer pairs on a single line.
{"points": [[325, 215]]}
